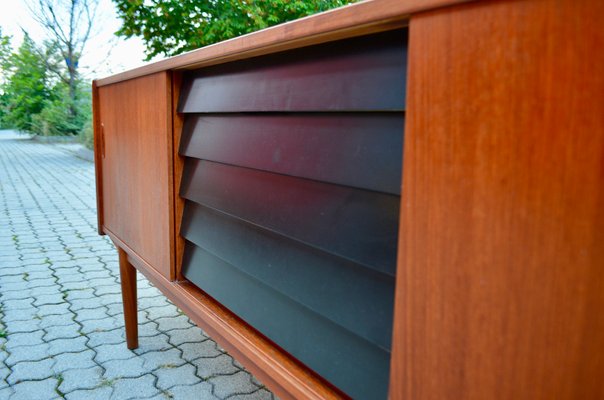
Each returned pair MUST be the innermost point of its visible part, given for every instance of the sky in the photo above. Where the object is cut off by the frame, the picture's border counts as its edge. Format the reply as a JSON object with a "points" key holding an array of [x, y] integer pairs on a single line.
{"points": [[105, 53]]}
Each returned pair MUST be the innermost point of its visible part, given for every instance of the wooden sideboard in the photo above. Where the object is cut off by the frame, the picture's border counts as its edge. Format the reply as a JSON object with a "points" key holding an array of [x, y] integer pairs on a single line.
{"points": [[397, 198]]}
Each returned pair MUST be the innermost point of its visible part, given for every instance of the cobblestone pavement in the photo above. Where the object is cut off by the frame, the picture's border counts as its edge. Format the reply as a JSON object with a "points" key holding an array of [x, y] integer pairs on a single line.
{"points": [[61, 326]]}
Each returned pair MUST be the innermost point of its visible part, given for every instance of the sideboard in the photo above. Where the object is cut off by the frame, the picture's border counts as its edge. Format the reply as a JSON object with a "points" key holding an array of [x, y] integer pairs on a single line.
{"points": [[397, 198]]}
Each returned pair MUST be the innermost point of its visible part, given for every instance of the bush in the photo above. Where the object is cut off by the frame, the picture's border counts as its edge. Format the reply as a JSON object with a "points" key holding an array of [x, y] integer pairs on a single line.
{"points": [[87, 135], [57, 116]]}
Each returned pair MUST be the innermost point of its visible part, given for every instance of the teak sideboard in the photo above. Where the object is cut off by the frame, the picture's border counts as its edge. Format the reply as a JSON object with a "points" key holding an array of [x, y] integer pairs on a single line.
{"points": [[397, 198]]}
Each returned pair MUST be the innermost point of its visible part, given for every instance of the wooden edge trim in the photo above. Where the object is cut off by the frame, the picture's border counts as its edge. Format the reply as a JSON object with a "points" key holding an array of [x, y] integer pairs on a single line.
{"points": [[178, 165], [98, 160], [171, 182], [278, 371], [370, 16]]}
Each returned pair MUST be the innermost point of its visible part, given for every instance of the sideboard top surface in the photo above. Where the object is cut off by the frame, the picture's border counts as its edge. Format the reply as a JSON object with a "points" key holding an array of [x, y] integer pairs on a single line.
{"points": [[356, 19]]}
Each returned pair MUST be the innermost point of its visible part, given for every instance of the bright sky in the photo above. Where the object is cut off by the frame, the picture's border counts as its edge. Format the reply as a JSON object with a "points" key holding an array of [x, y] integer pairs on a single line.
{"points": [[105, 54]]}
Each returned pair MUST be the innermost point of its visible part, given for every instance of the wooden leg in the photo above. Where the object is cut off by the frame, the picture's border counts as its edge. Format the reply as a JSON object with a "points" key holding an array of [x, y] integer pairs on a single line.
{"points": [[128, 280]]}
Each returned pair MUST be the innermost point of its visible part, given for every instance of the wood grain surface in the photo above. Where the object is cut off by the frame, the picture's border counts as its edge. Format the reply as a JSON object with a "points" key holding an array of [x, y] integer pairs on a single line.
{"points": [[98, 155], [128, 284], [177, 168], [136, 167], [500, 286], [357, 19]]}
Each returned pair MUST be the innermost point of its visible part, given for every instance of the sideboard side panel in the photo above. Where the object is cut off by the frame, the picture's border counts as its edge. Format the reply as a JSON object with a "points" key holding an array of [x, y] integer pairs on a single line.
{"points": [[98, 155], [136, 121], [500, 286]]}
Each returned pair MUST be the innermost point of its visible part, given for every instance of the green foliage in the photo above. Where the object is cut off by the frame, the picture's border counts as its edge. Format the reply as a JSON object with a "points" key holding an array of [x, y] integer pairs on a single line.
{"points": [[170, 27], [87, 135], [56, 117], [34, 99], [25, 88]]}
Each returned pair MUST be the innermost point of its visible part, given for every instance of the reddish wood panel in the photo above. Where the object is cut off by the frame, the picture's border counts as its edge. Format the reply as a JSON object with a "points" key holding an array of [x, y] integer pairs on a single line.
{"points": [[136, 127], [500, 286]]}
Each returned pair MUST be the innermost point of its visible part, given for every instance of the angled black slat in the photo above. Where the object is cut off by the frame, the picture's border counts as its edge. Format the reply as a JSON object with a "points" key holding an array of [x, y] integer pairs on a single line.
{"points": [[358, 299], [356, 224], [361, 150], [364, 74], [356, 366]]}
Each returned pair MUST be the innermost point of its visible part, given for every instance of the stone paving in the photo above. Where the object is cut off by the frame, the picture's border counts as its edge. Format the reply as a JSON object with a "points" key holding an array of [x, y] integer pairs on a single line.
{"points": [[61, 326]]}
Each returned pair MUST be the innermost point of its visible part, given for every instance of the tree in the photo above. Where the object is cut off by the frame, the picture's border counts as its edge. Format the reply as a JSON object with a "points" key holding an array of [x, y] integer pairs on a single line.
{"points": [[5, 53], [69, 25], [25, 89], [171, 27]]}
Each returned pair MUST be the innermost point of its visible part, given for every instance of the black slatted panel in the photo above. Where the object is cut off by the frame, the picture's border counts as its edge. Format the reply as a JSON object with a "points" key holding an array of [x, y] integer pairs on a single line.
{"points": [[357, 224], [292, 181], [329, 286], [360, 150], [360, 74], [346, 360]]}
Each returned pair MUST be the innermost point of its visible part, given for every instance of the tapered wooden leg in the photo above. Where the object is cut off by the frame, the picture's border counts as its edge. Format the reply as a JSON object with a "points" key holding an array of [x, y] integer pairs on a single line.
{"points": [[128, 280]]}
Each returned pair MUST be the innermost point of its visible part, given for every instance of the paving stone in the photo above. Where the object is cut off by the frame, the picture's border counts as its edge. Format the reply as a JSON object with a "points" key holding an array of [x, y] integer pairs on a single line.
{"points": [[153, 343], [156, 312], [31, 370], [71, 278], [199, 391], [135, 388], [189, 335], [38, 390], [148, 329], [100, 393], [49, 299], [261, 394], [74, 345], [176, 322], [97, 282], [115, 309], [7, 280], [6, 392], [27, 353], [81, 379], [86, 293], [193, 351], [4, 373], [67, 361], [158, 301], [86, 314], [15, 294], [111, 289], [19, 315], [171, 375], [131, 368], [39, 291], [110, 298], [54, 309], [62, 332], [208, 367], [108, 352], [239, 383], [56, 320], [106, 324], [156, 359], [116, 336], [24, 339]]}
